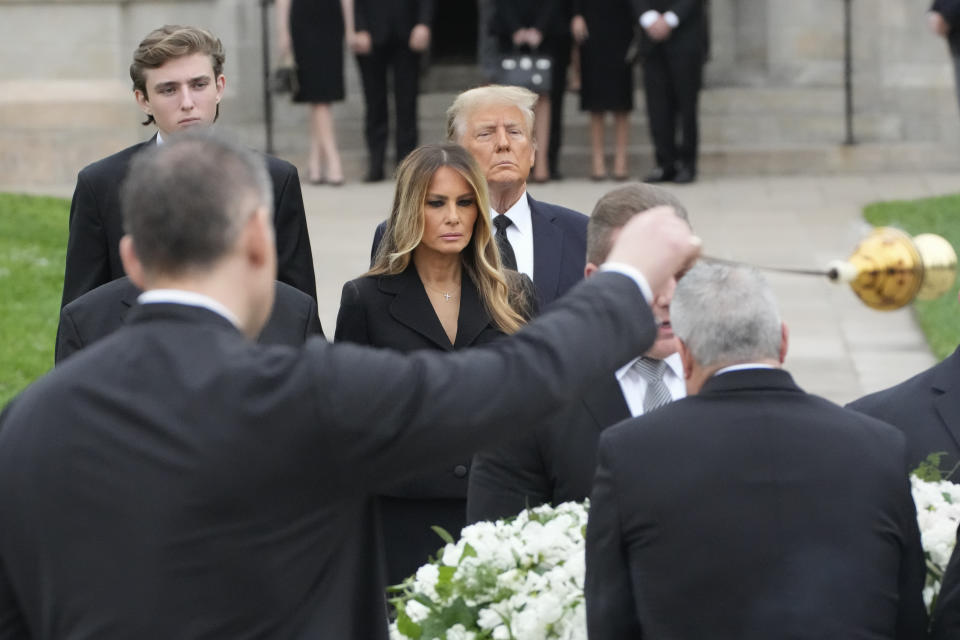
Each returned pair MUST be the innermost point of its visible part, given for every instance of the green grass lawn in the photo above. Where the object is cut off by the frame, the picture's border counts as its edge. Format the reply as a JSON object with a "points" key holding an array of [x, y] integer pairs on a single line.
{"points": [[940, 318], [33, 242]]}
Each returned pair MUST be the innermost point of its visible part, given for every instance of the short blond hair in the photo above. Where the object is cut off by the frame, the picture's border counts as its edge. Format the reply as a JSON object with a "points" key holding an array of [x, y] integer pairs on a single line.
{"points": [[489, 95]]}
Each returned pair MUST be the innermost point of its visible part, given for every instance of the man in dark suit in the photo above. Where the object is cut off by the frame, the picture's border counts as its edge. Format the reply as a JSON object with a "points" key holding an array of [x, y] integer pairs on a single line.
{"points": [[176, 480], [390, 34], [944, 19], [98, 313], [673, 49], [545, 241], [750, 509], [178, 81], [926, 408], [555, 463]]}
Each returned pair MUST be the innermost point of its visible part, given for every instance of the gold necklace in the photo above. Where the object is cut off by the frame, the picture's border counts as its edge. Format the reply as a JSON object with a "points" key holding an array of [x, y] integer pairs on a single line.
{"points": [[449, 297]]}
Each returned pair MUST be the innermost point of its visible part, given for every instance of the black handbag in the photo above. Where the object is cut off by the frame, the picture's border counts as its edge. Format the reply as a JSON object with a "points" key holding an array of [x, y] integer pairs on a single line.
{"points": [[533, 71], [284, 78]]}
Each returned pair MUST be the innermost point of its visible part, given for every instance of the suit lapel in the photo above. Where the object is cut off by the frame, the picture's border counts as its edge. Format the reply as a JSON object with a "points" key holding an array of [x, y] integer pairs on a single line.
{"points": [[547, 238], [411, 307], [473, 317], [604, 401], [946, 398]]}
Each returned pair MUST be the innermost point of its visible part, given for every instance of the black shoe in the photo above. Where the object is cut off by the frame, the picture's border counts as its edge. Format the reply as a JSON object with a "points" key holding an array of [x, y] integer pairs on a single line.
{"points": [[374, 176], [685, 175], [659, 174]]}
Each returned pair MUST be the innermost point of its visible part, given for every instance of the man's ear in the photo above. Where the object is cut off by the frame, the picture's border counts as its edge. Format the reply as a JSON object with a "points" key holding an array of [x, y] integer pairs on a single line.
{"points": [[590, 269], [258, 238], [784, 341], [221, 84], [686, 357], [143, 102], [131, 262]]}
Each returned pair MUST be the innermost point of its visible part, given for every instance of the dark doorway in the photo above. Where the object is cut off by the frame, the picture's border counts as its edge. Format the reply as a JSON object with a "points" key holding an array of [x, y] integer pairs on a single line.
{"points": [[454, 33]]}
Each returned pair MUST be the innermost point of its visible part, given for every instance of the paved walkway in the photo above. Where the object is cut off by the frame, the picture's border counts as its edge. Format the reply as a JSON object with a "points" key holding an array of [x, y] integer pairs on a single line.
{"points": [[838, 347]]}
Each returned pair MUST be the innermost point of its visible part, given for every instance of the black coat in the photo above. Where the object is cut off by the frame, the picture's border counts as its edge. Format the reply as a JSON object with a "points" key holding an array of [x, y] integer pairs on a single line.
{"points": [[926, 408], [754, 511], [559, 248], [950, 10], [945, 622], [98, 313], [176, 480], [553, 464], [388, 20], [96, 226], [550, 17], [690, 37], [395, 312]]}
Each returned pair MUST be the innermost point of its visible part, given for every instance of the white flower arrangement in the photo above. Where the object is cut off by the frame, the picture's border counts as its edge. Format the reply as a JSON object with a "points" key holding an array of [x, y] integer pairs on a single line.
{"points": [[517, 579], [938, 514]]}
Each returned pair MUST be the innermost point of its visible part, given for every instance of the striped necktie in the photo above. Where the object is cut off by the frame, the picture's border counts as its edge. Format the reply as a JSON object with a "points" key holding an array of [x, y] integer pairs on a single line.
{"points": [[657, 393]]}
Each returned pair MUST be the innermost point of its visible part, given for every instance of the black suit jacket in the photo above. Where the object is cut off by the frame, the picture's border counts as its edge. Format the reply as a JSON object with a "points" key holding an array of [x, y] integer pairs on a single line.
{"points": [[548, 16], [559, 248], [950, 10], [391, 19], [691, 37], [98, 313], [96, 226], [175, 480], [926, 408], [753, 511], [555, 463]]}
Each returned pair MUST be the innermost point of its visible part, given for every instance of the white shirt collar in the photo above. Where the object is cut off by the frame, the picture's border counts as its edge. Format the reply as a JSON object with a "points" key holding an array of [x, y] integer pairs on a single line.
{"points": [[190, 299], [519, 214], [745, 365]]}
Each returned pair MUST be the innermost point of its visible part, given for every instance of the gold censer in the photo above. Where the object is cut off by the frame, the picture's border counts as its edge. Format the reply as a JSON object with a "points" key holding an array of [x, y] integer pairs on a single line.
{"points": [[889, 269]]}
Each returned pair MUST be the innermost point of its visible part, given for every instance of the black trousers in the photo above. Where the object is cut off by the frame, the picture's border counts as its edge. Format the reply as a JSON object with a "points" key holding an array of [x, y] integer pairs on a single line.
{"points": [[396, 58], [671, 82], [561, 49]]}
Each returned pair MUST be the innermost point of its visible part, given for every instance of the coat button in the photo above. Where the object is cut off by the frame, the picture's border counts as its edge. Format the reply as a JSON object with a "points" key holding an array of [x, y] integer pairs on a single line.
{"points": [[460, 471]]}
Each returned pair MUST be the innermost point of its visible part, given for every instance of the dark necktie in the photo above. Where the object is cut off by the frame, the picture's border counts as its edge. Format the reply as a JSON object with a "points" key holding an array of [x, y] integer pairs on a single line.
{"points": [[657, 393], [507, 257]]}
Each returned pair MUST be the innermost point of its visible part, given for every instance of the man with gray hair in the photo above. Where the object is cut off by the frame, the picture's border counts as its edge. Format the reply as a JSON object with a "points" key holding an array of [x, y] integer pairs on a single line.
{"points": [[750, 509], [555, 463], [545, 241], [177, 480]]}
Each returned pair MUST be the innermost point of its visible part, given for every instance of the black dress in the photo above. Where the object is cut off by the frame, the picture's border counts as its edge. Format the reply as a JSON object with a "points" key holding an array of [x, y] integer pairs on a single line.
{"points": [[316, 28], [606, 81]]}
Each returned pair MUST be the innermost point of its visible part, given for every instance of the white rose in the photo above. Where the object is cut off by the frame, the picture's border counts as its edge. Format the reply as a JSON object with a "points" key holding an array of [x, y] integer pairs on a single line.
{"points": [[417, 612]]}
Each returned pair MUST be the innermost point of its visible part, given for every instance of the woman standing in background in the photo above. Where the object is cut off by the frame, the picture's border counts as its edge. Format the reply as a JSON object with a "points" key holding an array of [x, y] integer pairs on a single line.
{"points": [[603, 29], [313, 31]]}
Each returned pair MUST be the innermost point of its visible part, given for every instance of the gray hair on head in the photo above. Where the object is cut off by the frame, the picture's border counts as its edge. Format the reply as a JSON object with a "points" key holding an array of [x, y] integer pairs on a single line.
{"points": [[185, 201], [490, 95], [726, 315]]}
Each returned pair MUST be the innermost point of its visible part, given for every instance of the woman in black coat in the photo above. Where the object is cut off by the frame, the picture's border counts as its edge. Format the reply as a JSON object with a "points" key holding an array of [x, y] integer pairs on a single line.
{"points": [[603, 29], [436, 283]]}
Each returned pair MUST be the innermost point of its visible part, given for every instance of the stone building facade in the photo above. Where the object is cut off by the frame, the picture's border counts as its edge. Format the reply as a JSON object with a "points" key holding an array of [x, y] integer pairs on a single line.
{"points": [[774, 100]]}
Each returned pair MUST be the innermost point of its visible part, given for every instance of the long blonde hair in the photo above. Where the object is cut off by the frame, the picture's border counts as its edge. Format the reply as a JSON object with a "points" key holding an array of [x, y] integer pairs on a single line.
{"points": [[404, 232]]}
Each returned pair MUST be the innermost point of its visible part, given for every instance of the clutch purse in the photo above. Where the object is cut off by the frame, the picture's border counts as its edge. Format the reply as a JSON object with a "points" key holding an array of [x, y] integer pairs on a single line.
{"points": [[533, 71], [284, 79]]}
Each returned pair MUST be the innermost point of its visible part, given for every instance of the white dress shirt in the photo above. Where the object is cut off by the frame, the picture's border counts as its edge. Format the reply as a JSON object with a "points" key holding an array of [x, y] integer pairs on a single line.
{"points": [[520, 233], [190, 299], [634, 386]]}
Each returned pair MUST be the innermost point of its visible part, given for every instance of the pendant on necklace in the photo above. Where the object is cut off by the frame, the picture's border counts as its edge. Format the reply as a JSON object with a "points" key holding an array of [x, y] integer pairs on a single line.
{"points": [[446, 296]]}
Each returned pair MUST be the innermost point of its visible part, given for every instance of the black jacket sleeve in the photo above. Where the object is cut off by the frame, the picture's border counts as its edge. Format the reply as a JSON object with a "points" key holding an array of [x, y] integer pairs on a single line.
{"points": [[351, 319], [294, 258], [88, 261]]}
